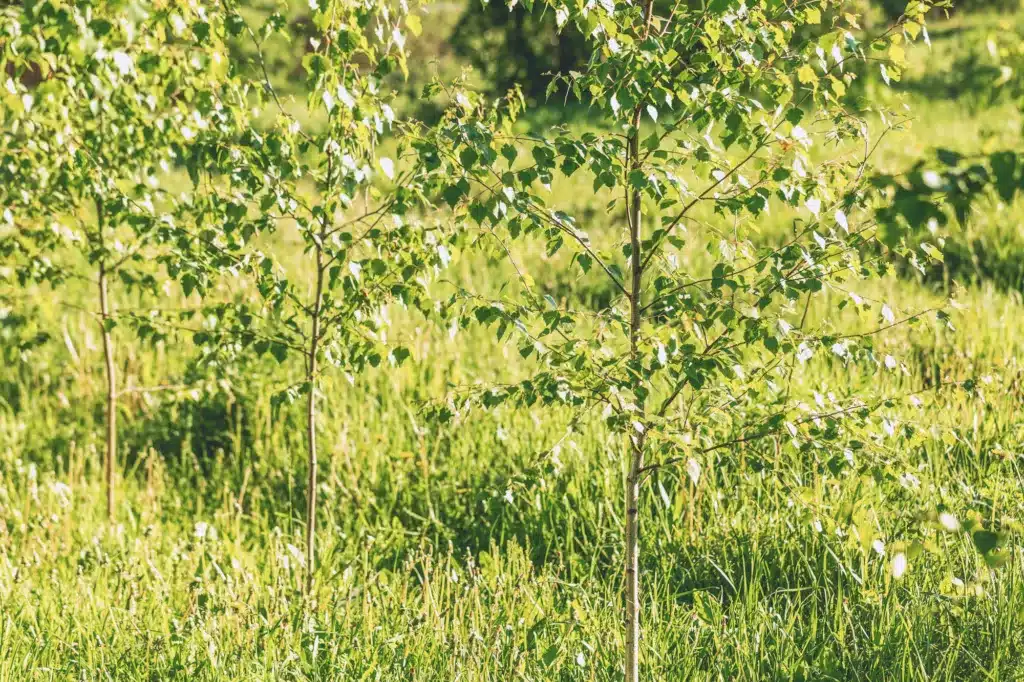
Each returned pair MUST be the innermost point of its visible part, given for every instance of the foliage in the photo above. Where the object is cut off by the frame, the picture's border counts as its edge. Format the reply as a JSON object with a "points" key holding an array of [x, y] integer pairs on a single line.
{"points": [[86, 148], [924, 196], [751, 293]]}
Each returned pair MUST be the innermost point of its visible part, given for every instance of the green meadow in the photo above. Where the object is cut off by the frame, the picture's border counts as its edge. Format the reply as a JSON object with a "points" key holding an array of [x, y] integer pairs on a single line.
{"points": [[492, 548]]}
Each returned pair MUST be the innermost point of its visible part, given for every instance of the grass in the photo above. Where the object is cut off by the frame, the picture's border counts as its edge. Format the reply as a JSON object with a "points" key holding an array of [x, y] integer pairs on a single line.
{"points": [[491, 550]]}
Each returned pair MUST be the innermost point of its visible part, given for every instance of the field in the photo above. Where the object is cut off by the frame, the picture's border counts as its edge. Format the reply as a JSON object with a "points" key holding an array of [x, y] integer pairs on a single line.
{"points": [[492, 549]]}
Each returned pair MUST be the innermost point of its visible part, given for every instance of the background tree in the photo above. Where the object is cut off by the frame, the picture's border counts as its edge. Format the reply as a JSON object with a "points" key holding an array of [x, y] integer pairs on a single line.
{"points": [[98, 104], [517, 46], [928, 207], [711, 117]]}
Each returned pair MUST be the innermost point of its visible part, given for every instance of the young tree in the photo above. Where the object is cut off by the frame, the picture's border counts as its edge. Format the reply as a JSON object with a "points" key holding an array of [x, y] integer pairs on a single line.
{"points": [[711, 117], [96, 108], [352, 207]]}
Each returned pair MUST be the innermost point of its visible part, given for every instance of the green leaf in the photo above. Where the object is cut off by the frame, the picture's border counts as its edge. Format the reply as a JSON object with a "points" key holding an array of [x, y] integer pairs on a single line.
{"points": [[412, 21], [585, 261], [188, 284], [707, 608], [637, 180], [468, 157], [932, 251], [279, 351], [510, 153], [453, 193], [805, 74], [399, 354], [1004, 167]]}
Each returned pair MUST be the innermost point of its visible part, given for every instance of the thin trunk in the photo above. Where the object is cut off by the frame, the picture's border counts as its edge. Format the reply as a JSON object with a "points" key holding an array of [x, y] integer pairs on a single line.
{"points": [[636, 438], [108, 357], [311, 366], [633, 565]]}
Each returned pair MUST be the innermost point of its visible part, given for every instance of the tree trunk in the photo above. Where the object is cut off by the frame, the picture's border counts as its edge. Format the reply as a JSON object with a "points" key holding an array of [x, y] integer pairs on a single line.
{"points": [[633, 564], [636, 438], [633, 162], [311, 379], [111, 416], [108, 357]]}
